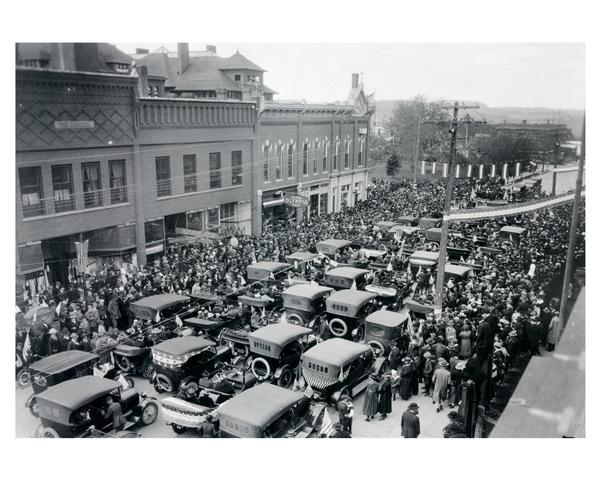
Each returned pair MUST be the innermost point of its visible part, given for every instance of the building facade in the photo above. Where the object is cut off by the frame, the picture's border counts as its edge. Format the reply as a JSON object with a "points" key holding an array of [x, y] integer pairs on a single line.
{"points": [[132, 160]]}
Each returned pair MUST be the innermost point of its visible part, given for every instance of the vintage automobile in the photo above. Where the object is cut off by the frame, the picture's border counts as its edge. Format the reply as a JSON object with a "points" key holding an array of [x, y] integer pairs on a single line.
{"points": [[419, 309], [299, 258], [512, 234], [269, 308], [430, 222], [433, 235], [57, 368], [332, 246], [389, 296], [457, 253], [339, 367], [162, 306], [305, 303], [347, 277], [265, 272], [456, 272], [408, 220], [423, 259], [385, 226], [179, 358], [403, 230], [383, 327], [265, 411], [346, 311], [77, 407], [193, 402], [276, 350]]}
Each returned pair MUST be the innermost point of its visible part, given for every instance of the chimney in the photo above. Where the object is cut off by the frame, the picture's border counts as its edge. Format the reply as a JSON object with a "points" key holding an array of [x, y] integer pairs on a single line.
{"points": [[211, 48], [142, 72], [183, 53], [142, 50], [355, 80]]}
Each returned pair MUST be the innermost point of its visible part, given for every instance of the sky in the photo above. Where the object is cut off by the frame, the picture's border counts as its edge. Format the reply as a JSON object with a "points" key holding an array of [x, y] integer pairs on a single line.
{"points": [[550, 75]]}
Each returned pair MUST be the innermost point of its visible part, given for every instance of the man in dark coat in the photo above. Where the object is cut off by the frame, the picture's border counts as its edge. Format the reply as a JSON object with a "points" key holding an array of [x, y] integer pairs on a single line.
{"points": [[115, 412], [485, 337], [370, 402], [411, 426], [395, 356], [384, 405], [345, 412]]}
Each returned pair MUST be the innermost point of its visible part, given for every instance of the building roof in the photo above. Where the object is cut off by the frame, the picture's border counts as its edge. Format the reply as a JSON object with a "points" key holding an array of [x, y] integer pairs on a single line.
{"points": [[335, 351], [203, 73], [77, 392], [110, 54], [160, 65], [259, 405], [238, 62], [33, 51]]}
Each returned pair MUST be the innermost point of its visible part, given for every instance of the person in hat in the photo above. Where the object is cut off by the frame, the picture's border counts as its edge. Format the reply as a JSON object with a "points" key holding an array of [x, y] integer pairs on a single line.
{"points": [[340, 432], [114, 411], [384, 405], [370, 402], [552, 336], [440, 379], [395, 356], [74, 342], [53, 343], [406, 374], [411, 426], [427, 373], [345, 410], [456, 427]]}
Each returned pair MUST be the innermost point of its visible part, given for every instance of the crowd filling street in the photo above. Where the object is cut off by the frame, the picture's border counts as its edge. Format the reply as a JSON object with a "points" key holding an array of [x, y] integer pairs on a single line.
{"points": [[504, 311]]}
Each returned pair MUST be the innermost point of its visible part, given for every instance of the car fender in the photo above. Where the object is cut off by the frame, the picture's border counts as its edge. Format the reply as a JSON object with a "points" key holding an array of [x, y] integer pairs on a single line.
{"points": [[280, 370], [30, 400]]}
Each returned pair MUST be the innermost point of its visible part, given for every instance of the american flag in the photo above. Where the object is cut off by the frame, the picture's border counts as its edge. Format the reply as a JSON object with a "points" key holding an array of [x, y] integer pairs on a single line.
{"points": [[82, 256], [326, 424], [27, 348]]}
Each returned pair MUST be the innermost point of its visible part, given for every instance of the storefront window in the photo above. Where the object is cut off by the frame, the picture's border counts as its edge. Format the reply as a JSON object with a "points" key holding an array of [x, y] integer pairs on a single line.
{"points": [[154, 230], [194, 221], [345, 195], [213, 219], [323, 204], [92, 187], [62, 183], [118, 182]]}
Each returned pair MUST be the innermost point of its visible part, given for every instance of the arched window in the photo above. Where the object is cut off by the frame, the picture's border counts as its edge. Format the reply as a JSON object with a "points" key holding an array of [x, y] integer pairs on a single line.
{"points": [[266, 163], [279, 161], [325, 152], [305, 158], [347, 153], [290, 159]]}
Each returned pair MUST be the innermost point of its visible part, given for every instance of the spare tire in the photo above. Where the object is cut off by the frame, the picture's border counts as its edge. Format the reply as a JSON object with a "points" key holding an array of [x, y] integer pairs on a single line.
{"points": [[296, 319], [377, 347], [123, 363], [338, 327], [260, 369]]}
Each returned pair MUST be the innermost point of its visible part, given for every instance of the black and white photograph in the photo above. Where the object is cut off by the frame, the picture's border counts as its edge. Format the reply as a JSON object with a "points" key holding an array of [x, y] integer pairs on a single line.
{"points": [[226, 237]]}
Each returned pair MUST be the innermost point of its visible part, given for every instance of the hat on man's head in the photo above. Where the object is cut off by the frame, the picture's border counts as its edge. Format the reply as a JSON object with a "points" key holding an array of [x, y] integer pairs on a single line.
{"points": [[413, 406]]}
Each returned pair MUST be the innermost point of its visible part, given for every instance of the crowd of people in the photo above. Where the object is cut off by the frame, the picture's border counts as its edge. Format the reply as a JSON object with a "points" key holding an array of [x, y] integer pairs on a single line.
{"points": [[502, 310]]}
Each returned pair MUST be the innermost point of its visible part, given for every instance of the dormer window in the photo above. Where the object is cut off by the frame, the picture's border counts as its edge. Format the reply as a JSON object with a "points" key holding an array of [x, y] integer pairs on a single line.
{"points": [[34, 63], [121, 67]]}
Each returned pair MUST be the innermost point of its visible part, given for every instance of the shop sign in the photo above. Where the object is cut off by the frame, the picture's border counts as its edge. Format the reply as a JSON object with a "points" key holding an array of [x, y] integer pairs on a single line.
{"points": [[294, 200]]}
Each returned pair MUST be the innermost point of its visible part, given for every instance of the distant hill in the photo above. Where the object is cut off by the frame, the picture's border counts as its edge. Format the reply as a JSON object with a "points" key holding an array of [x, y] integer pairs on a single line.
{"points": [[573, 118]]}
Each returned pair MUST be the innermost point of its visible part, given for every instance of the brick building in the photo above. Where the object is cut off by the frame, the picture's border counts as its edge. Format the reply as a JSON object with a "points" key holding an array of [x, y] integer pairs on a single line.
{"points": [[189, 146], [544, 135]]}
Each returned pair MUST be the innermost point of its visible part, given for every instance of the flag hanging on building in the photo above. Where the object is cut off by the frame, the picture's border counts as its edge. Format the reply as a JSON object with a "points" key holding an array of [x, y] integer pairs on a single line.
{"points": [[27, 347], [493, 172], [82, 256], [469, 170]]}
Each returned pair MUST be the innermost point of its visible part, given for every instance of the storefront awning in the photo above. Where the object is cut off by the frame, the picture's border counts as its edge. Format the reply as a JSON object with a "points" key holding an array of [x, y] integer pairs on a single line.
{"points": [[113, 239], [30, 258]]}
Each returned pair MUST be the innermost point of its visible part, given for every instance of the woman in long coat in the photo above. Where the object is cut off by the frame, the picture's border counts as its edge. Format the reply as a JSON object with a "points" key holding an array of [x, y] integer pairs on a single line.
{"points": [[406, 375], [385, 397], [370, 403], [465, 342]]}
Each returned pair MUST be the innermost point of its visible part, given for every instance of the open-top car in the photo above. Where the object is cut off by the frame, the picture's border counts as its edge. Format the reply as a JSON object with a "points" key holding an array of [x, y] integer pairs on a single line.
{"points": [[339, 367], [57, 368], [179, 358], [383, 327], [347, 277], [305, 303], [78, 407], [389, 296], [300, 258], [194, 401], [419, 309], [276, 350], [332, 246], [266, 411], [266, 272], [346, 311], [385, 226]]}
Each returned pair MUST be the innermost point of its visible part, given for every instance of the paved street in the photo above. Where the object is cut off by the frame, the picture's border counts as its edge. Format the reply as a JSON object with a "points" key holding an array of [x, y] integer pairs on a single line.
{"points": [[432, 423]]}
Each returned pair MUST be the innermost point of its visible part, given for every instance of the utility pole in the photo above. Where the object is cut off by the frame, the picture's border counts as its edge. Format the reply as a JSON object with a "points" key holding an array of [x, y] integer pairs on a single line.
{"points": [[556, 145], [416, 159], [439, 285], [572, 238]]}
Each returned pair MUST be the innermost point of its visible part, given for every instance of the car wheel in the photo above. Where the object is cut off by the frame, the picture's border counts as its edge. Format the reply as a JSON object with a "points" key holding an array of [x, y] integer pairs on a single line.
{"points": [[130, 381], [34, 408], [149, 413], [377, 347], [48, 432], [24, 378], [260, 368], [178, 429], [286, 378], [162, 384], [360, 334], [148, 370], [123, 363], [338, 327]]}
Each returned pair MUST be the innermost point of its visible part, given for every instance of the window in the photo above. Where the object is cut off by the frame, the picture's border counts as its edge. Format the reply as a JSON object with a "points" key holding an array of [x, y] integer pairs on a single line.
{"points": [[290, 160], [333, 199], [117, 181], [214, 164], [345, 196], [194, 221], [62, 183], [279, 162], [347, 154], [315, 157], [155, 91], [236, 168], [32, 193], [336, 154], [266, 164], [305, 159], [323, 204], [92, 187], [228, 211], [325, 153], [190, 179], [163, 176], [361, 145], [213, 219], [237, 78], [154, 230]]}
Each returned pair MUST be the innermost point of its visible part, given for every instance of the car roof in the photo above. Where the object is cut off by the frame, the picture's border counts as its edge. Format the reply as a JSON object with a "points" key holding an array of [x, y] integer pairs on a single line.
{"points": [[302, 255], [181, 345], [387, 318], [425, 255], [386, 223], [163, 300], [77, 392], [456, 269], [513, 229], [260, 405], [335, 351], [279, 333], [347, 272], [59, 362], [351, 297], [307, 290], [271, 266], [335, 242]]}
